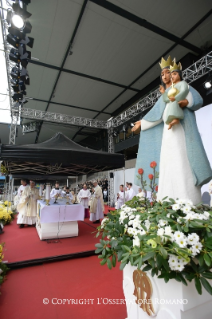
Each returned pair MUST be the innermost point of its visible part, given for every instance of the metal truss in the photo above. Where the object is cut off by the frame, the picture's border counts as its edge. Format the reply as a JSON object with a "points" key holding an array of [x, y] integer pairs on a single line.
{"points": [[62, 118], [29, 127], [13, 126], [110, 140]]}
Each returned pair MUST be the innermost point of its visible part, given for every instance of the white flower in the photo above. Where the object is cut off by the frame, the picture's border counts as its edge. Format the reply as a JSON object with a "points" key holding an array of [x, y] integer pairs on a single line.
{"points": [[193, 238], [179, 266], [162, 223], [197, 246], [186, 209], [194, 251], [136, 241], [160, 232], [189, 216], [123, 206], [207, 215], [108, 236], [172, 260], [132, 217], [168, 230], [176, 207], [189, 202], [178, 235], [182, 242], [127, 209], [136, 223], [168, 215], [179, 220], [104, 220], [130, 222]]}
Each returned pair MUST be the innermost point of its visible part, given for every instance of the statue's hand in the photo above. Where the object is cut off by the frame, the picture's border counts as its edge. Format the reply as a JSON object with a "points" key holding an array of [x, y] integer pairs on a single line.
{"points": [[137, 127], [161, 89], [172, 99], [183, 103]]}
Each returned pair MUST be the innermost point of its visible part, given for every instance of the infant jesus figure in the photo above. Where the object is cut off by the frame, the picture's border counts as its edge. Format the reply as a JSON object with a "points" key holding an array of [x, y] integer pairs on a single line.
{"points": [[178, 92]]}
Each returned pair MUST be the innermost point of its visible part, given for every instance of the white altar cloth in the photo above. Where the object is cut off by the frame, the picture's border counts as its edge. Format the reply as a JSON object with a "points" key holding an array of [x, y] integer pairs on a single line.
{"points": [[60, 212], [58, 220]]}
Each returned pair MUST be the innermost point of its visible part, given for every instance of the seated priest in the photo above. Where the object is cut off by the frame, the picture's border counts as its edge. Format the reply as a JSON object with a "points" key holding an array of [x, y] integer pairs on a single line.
{"points": [[66, 193], [83, 198], [56, 191], [27, 206], [97, 204]]}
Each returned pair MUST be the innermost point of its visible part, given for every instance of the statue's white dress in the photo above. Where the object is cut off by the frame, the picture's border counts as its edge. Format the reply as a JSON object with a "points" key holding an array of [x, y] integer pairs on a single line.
{"points": [[176, 179]]}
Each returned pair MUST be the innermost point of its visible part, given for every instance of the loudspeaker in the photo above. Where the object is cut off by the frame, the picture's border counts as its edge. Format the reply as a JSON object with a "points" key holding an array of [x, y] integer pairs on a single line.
{"points": [[111, 175]]}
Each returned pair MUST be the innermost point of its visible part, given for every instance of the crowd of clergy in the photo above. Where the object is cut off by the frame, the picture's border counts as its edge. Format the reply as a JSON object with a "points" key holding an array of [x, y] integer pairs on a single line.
{"points": [[92, 195]]}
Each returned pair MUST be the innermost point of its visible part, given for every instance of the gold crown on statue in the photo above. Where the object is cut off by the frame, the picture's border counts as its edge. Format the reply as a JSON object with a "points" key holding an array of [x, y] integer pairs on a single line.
{"points": [[175, 67], [165, 63]]}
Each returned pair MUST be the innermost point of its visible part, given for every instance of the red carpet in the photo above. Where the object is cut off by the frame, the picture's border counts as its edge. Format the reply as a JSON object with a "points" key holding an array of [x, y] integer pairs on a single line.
{"points": [[83, 278], [24, 244]]}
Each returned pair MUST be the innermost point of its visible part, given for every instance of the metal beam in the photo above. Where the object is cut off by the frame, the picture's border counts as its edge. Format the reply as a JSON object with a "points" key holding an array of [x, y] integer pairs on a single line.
{"points": [[94, 78], [69, 105], [145, 24], [64, 59], [61, 118]]}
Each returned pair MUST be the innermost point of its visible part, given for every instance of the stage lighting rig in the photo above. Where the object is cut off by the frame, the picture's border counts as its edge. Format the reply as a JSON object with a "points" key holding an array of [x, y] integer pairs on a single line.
{"points": [[17, 37]]}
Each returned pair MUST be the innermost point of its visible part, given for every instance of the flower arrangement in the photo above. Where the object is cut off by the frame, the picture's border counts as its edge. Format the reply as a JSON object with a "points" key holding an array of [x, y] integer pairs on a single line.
{"points": [[171, 238], [3, 267], [6, 213]]}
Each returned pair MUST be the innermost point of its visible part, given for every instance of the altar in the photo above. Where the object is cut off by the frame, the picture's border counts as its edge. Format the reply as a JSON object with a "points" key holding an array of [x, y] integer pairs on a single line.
{"points": [[58, 220]]}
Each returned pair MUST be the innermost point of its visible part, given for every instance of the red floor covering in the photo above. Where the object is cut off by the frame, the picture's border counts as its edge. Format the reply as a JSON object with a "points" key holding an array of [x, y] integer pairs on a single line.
{"points": [[23, 292], [24, 244]]}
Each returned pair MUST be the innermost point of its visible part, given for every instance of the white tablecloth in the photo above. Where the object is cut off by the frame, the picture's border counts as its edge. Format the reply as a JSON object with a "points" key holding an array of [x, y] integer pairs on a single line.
{"points": [[60, 212]]}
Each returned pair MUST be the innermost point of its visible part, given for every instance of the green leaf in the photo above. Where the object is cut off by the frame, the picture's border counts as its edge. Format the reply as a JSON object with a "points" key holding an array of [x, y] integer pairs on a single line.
{"points": [[103, 262], [124, 247], [183, 280], [140, 262], [109, 263], [163, 252], [201, 260], [114, 260], [207, 260], [146, 268], [206, 285], [159, 260], [99, 245], [148, 255], [207, 274], [122, 265], [198, 285], [166, 265], [98, 250]]}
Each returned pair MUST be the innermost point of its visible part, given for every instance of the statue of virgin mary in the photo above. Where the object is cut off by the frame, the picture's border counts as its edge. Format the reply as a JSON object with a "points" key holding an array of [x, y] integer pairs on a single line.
{"points": [[179, 153]]}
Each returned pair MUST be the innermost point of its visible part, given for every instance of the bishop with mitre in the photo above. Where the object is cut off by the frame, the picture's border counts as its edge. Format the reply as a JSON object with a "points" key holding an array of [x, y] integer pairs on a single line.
{"points": [[97, 204]]}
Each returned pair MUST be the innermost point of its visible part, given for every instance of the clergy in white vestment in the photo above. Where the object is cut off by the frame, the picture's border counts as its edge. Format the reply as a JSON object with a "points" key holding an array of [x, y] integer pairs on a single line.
{"points": [[97, 204], [27, 206], [56, 191], [120, 197], [84, 197], [22, 187], [130, 193], [67, 194]]}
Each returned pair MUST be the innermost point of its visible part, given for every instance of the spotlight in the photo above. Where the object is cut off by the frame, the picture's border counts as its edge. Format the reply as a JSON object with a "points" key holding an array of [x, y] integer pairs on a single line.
{"points": [[124, 128], [15, 73], [23, 13], [132, 124], [17, 97], [17, 21], [207, 85]]}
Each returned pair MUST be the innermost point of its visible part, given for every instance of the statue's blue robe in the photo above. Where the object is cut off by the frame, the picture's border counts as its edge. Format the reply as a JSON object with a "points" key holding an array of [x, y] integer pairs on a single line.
{"points": [[151, 140]]}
